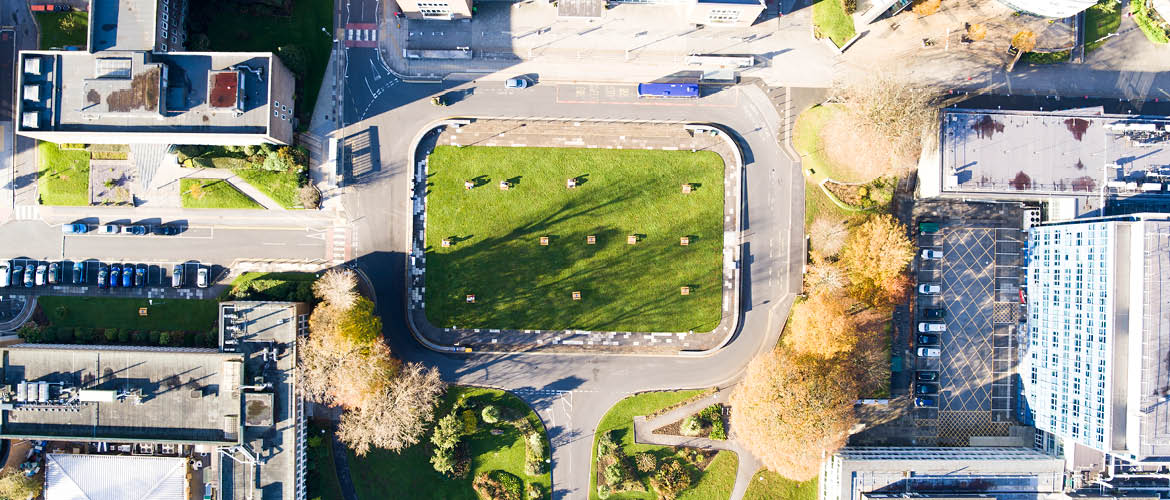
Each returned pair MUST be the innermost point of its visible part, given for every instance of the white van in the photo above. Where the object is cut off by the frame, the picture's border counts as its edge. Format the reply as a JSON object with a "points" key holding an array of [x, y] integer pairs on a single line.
{"points": [[928, 352]]}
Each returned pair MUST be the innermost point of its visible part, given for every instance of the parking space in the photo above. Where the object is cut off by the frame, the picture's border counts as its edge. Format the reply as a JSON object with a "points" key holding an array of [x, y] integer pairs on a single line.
{"points": [[977, 275], [157, 278]]}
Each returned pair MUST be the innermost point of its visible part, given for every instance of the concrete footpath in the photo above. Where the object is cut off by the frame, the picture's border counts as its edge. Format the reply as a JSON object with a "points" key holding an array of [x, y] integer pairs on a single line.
{"points": [[167, 178]]}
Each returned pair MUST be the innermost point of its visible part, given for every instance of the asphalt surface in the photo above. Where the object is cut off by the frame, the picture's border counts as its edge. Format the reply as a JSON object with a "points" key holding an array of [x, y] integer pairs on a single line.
{"points": [[570, 392]]}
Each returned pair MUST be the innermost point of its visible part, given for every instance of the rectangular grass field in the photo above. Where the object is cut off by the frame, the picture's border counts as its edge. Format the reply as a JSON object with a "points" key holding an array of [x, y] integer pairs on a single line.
{"points": [[62, 175], [496, 255]]}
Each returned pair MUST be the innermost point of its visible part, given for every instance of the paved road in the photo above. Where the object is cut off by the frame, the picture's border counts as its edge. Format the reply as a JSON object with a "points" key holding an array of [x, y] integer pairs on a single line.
{"points": [[571, 393]]}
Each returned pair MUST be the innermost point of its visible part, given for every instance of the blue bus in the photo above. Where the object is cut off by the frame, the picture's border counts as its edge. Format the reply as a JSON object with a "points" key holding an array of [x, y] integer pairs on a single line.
{"points": [[674, 90]]}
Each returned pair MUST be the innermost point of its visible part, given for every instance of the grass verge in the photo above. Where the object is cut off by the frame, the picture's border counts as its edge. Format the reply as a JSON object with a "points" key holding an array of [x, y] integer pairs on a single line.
{"points": [[497, 256], [1046, 57], [61, 29], [214, 193], [322, 480], [1101, 20], [1149, 22], [411, 474], [111, 312], [62, 175], [715, 482], [831, 21], [280, 186], [767, 485], [292, 287]]}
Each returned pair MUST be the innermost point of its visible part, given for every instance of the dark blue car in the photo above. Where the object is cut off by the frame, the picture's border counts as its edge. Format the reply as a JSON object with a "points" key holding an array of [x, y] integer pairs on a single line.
{"points": [[140, 276], [127, 276], [115, 276]]}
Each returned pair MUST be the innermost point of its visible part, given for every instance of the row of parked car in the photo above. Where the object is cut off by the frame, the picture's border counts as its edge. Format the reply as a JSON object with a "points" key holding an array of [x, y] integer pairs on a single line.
{"points": [[927, 339], [108, 275], [131, 229]]}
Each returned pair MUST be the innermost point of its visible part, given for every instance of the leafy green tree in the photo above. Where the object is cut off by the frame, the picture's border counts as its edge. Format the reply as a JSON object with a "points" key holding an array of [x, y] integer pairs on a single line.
{"points": [[360, 324], [295, 58], [672, 478], [490, 414], [443, 460], [447, 432], [614, 473], [14, 485]]}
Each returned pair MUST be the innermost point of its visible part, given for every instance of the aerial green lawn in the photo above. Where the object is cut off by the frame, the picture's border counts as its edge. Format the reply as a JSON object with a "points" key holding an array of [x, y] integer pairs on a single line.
{"points": [[213, 193], [1149, 21], [110, 312], [291, 287], [716, 482], [831, 21], [1101, 20], [410, 474], [280, 186], [60, 29], [496, 255], [767, 485], [62, 175], [321, 480], [231, 30]]}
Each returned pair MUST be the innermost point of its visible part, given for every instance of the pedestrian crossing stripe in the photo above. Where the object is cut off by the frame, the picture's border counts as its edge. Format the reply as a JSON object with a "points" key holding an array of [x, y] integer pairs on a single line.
{"points": [[26, 212], [362, 35]]}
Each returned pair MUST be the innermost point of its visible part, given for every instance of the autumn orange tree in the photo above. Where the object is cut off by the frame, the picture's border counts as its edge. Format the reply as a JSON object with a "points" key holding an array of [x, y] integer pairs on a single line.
{"points": [[1023, 41], [791, 410], [876, 256], [822, 325]]}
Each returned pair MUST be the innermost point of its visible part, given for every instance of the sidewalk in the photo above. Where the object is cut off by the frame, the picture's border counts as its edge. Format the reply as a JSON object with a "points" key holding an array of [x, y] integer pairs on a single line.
{"points": [[325, 121], [554, 133], [748, 465]]}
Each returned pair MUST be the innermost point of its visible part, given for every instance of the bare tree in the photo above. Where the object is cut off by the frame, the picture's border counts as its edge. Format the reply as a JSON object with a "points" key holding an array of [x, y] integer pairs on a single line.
{"points": [[338, 287], [792, 410], [827, 235], [336, 370], [882, 128], [1023, 41], [824, 276], [396, 418]]}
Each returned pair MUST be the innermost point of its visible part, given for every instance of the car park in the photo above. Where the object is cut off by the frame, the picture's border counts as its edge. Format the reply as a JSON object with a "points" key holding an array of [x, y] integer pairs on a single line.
{"points": [[927, 339], [166, 230], [110, 229], [74, 229], [29, 271], [78, 273], [140, 276], [103, 275], [934, 313], [927, 227], [931, 254], [929, 352], [177, 276], [54, 273], [201, 277], [926, 401], [924, 327], [929, 288], [5, 277], [127, 276], [42, 270], [925, 388], [135, 230], [115, 276], [926, 376]]}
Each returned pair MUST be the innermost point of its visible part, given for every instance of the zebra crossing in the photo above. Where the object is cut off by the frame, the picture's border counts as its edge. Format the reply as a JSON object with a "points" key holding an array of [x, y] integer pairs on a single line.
{"points": [[26, 212], [361, 35], [338, 244]]}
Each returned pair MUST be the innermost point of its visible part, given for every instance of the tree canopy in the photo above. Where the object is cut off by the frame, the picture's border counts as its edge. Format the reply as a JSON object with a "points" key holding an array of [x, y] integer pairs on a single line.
{"points": [[876, 253]]}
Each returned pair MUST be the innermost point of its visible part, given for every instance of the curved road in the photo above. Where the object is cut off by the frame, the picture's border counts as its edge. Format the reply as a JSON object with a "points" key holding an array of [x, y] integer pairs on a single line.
{"points": [[572, 392]]}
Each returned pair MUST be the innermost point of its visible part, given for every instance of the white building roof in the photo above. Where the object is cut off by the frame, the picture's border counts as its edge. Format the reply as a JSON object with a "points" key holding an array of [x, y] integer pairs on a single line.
{"points": [[114, 477]]}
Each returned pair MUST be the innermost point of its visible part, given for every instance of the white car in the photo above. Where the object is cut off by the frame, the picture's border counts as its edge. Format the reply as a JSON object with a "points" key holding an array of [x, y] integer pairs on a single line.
{"points": [[5, 276], [929, 289], [931, 254], [925, 327], [201, 277], [516, 83], [928, 352], [41, 271], [110, 229]]}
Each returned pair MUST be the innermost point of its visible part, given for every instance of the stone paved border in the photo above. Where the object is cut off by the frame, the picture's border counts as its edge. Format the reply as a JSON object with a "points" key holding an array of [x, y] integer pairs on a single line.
{"points": [[605, 134]]}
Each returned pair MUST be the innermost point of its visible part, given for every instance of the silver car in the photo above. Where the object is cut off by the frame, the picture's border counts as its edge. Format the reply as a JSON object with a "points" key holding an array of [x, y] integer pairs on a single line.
{"points": [[5, 276], [201, 277]]}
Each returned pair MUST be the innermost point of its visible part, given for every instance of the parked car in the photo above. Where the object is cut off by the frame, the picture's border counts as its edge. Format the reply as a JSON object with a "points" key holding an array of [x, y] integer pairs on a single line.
{"points": [[54, 273], [516, 83], [110, 229], [140, 277], [29, 271], [926, 376], [927, 227], [931, 254], [127, 276], [17, 275], [932, 313], [78, 273], [177, 276], [103, 275], [75, 229], [925, 402], [929, 288], [166, 230], [115, 276], [42, 270], [928, 352], [5, 278], [924, 327], [927, 339], [925, 388], [135, 230], [201, 277]]}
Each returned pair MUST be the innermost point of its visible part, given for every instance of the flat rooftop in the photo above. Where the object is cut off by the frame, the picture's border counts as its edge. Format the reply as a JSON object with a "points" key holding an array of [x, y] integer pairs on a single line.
{"points": [[184, 398], [1003, 473], [1036, 153], [1155, 374], [144, 92], [121, 25]]}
